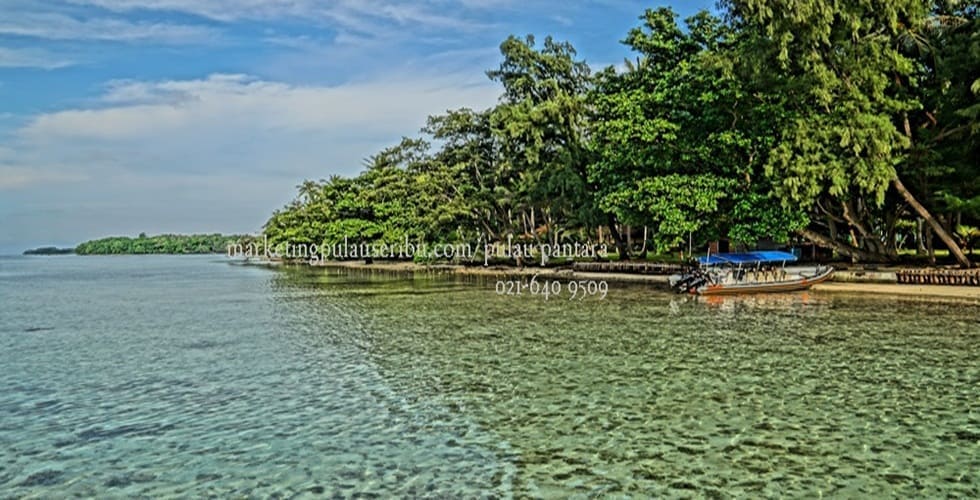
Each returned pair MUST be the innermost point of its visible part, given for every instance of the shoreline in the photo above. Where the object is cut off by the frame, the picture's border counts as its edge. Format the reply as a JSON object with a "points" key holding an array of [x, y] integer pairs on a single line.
{"points": [[844, 281], [901, 290]]}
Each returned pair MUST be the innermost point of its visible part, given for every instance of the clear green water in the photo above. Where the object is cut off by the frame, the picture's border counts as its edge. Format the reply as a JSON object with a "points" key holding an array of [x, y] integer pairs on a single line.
{"points": [[186, 376]]}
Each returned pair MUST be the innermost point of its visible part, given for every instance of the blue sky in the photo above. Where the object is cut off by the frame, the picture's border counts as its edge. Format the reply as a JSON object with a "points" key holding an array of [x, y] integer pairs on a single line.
{"points": [[124, 116]]}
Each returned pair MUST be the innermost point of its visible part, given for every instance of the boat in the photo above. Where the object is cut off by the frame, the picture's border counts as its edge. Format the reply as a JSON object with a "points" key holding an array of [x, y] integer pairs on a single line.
{"points": [[749, 272]]}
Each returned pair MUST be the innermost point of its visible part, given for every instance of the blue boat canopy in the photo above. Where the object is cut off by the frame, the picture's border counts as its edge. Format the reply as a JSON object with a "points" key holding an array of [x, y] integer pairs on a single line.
{"points": [[759, 257]]}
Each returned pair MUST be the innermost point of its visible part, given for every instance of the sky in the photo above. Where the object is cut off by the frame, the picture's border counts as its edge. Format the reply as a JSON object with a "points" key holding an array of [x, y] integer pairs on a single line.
{"points": [[187, 116]]}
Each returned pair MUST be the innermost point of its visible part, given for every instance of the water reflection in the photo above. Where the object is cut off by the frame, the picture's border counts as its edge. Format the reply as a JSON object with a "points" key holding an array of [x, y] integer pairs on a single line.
{"points": [[202, 379], [650, 393]]}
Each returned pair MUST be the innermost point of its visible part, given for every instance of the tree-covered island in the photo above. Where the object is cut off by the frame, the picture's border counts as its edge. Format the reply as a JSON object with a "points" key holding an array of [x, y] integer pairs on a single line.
{"points": [[851, 125], [159, 244], [49, 251]]}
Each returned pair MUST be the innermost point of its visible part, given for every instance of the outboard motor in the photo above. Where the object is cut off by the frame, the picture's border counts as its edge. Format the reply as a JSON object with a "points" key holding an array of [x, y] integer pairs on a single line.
{"points": [[690, 280]]}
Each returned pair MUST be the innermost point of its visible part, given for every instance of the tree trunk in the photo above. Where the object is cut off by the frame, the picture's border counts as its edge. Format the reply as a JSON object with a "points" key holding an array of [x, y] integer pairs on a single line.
{"points": [[491, 234], [624, 252], [920, 237], [868, 239], [891, 235], [533, 225], [850, 251], [643, 251], [930, 249], [937, 228], [552, 231]]}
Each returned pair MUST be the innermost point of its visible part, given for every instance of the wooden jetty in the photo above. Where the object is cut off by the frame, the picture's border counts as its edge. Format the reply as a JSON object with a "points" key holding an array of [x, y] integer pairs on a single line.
{"points": [[960, 277], [651, 268]]}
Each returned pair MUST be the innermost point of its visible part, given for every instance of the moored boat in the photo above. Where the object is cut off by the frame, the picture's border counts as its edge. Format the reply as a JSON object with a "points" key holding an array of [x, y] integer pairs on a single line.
{"points": [[749, 272]]}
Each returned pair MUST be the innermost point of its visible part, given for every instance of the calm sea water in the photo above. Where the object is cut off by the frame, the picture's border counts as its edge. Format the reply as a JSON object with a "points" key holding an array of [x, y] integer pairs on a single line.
{"points": [[187, 376]]}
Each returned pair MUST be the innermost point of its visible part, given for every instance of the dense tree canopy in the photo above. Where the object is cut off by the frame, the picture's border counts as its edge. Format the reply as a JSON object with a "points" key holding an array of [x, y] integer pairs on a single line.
{"points": [[850, 124], [159, 244]]}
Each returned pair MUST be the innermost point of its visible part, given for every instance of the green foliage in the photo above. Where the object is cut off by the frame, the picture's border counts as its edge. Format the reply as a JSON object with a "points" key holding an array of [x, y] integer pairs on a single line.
{"points": [[679, 141], [160, 244], [878, 99], [676, 204], [540, 126], [49, 251], [970, 235], [782, 118]]}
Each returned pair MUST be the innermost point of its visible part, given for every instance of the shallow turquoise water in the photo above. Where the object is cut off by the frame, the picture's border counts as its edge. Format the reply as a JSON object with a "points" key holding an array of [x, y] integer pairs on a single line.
{"points": [[186, 376]]}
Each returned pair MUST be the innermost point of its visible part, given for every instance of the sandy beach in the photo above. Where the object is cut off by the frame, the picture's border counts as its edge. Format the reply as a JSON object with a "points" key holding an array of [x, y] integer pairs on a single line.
{"points": [[848, 282], [959, 292]]}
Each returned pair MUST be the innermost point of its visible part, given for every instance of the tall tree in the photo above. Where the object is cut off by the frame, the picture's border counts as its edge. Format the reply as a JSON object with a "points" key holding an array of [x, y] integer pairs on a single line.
{"points": [[541, 122], [482, 183], [843, 65], [679, 144]]}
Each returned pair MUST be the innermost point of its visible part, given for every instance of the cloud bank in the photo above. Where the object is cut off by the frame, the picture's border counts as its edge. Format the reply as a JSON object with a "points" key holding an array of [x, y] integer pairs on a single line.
{"points": [[164, 150]]}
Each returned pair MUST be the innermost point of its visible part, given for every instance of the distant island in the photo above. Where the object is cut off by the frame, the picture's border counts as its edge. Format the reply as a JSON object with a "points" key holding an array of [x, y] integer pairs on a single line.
{"points": [[49, 251], [159, 244]]}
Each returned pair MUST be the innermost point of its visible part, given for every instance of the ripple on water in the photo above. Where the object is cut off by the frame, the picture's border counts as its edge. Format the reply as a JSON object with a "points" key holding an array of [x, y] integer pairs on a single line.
{"points": [[230, 381]]}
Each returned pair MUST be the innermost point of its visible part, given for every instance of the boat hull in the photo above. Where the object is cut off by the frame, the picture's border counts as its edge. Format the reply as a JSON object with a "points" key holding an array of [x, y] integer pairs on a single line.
{"points": [[767, 287]]}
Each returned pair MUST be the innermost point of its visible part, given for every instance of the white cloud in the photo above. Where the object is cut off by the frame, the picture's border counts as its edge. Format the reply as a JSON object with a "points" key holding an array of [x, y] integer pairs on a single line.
{"points": [[59, 26], [213, 154], [563, 20], [223, 105], [13, 177], [363, 16], [20, 168], [219, 10], [31, 58]]}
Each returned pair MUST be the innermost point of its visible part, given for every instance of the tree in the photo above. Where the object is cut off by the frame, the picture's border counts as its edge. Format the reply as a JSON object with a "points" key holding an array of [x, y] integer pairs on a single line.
{"points": [[679, 144], [541, 125], [853, 124], [479, 182], [159, 244], [848, 80]]}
